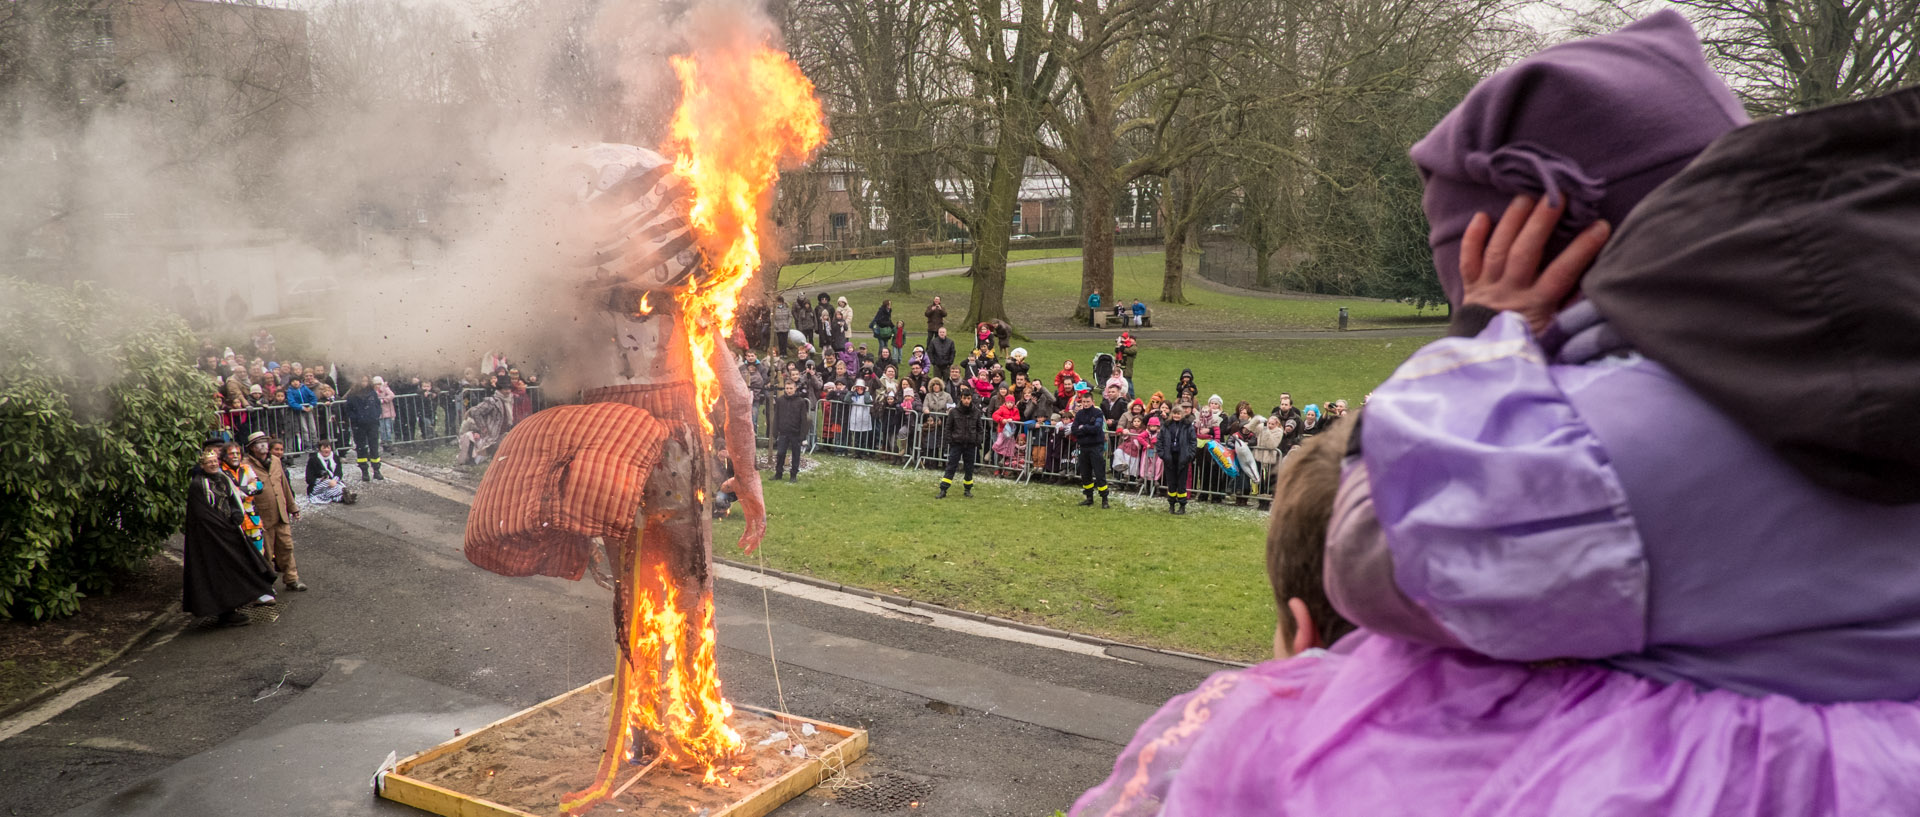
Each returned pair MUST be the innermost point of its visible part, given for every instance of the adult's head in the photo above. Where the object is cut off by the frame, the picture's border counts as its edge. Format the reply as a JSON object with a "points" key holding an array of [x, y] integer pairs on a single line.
{"points": [[230, 455], [210, 457], [788, 388], [936, 300], [1286, 401], [942, 332], [1339, 408], [1598, 122], [258, 442], [502, 383], [1112, 391]]}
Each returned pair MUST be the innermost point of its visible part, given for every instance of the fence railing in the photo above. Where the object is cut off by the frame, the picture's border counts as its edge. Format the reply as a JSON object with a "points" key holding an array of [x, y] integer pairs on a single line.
{"points": [[912, 439], [1035, 450], [418, 418]]}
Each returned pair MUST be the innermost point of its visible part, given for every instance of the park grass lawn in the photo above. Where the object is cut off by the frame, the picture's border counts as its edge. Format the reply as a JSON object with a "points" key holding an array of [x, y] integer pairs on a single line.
{"points": [[826, 274], [1134, 573], [1042, 297], [1313, 371]]}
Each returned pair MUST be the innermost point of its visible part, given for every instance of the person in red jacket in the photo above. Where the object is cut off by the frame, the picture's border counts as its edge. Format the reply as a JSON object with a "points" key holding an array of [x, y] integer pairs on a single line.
{"points": [[1063, 383]]}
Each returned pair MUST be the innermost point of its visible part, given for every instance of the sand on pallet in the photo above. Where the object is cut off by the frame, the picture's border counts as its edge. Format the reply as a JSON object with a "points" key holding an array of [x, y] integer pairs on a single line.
{"points": [[531, 763]]}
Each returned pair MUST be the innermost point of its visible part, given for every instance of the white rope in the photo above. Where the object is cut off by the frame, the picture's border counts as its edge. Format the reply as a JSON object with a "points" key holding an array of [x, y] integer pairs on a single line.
{"points": [[766, 606]]}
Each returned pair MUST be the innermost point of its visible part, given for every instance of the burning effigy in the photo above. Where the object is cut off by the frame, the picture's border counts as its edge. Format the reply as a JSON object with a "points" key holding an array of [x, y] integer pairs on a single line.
{"points": [[618, 486]]}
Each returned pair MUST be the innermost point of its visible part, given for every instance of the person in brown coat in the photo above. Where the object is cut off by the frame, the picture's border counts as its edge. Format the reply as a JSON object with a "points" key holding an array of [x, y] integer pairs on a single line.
{"points": [[276, 507]]}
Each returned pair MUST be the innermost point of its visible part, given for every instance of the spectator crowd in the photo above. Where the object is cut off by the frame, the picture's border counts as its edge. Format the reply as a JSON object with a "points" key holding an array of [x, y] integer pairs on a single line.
{"points": [[822, 388]]}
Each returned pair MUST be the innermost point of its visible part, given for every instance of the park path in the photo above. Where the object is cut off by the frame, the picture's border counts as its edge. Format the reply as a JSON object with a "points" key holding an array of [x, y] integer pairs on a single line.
{"points": [[1177, 335], [887, 280]]}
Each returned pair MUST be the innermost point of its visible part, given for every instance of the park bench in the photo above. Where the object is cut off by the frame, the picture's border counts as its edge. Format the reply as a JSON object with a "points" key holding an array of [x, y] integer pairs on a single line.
{"points": [[1108, 319]]}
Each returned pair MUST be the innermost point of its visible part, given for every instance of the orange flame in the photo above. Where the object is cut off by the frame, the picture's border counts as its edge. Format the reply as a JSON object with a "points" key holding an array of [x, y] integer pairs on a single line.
{"points": [[744, 111], [690, 712]]}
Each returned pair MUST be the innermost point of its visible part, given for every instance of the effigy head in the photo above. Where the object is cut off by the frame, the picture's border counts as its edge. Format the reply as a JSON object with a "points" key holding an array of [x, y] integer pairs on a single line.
{"points": [[631, 226]]}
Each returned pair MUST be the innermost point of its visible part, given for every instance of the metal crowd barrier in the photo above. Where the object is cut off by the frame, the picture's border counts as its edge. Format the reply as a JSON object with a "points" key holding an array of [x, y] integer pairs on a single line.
{"points": [[417, 419]]}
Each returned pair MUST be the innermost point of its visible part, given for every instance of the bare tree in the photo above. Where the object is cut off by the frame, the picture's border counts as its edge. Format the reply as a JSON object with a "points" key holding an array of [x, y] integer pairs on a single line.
{"points": [[871, 64], [1001, 77]]}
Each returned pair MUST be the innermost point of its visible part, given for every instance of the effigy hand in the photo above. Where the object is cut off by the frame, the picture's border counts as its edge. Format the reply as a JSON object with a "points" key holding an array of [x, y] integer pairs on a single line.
{"points": [[1502, 271]]}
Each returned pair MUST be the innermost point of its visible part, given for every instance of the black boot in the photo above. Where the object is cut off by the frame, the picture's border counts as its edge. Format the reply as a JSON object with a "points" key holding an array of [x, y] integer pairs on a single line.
{"points": [[1103, 502], [363, 473], [1171, 502], [1088, 502], [967, 490], [1183, 508], [943, 490], [376, 471]]}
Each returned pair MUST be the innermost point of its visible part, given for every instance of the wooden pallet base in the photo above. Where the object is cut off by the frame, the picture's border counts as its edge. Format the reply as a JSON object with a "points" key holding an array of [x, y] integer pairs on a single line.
{"points": [[520, 765]]}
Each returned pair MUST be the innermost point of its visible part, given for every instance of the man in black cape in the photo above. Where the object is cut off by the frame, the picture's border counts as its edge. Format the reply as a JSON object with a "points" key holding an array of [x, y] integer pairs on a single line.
{"points": [[223, 571]]}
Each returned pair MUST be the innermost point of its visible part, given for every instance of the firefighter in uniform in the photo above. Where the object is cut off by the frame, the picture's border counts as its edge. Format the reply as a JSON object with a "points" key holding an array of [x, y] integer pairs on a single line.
{"points": [[963, 441], [1090, 437]]}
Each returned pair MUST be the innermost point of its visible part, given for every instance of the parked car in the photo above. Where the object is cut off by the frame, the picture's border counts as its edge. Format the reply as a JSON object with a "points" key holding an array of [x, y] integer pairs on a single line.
{"points": [[1023, 237], [799, 248]]}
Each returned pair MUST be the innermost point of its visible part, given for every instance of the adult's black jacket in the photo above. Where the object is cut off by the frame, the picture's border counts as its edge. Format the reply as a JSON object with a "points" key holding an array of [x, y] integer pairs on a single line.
{"points": [[1178, 441], [940, 352], [963, 423], [790, 415], [1779, 277]]}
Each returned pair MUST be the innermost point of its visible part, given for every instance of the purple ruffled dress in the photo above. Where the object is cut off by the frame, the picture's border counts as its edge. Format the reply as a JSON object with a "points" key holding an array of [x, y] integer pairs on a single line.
{"points": [[1583, 591]]}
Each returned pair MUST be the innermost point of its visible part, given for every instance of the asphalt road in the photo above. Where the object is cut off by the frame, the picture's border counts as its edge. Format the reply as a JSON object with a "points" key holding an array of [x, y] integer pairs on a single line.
{"points": [[992, 726]]}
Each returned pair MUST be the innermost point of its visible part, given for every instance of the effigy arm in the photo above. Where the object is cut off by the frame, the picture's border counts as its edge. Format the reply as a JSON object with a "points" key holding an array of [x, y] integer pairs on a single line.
{"points": [[745, 483]]}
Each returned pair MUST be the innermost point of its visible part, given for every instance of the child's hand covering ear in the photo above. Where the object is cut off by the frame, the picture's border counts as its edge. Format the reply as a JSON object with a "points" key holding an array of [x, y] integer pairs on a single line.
{"points": [[1504, 273]]}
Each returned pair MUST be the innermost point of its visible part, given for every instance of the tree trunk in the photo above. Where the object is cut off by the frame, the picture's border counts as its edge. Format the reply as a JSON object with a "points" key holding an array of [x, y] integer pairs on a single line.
{"points": [[1096, 253], [902, 269], [898, 229], [1176, 266], [991, 236]]}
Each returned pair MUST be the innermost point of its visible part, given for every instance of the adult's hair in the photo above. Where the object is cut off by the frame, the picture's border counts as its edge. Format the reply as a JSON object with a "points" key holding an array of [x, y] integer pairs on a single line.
{"points": [[1297, 532]]}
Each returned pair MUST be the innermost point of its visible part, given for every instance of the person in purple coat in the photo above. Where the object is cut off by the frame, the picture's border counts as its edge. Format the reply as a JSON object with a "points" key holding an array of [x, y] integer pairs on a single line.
{"points": [[1581, 587]]}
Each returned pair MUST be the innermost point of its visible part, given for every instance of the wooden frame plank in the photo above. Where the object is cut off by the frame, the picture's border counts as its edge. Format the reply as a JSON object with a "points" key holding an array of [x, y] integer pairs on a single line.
{"points": [[400, 788]]}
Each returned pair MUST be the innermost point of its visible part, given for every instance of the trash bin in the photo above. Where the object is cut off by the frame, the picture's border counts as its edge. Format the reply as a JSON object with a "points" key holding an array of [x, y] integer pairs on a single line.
{"points": [[1343, 319]]}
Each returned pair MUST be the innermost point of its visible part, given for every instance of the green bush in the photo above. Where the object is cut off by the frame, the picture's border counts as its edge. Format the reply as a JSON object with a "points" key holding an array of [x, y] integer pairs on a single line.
{"points": [[101, 417]]}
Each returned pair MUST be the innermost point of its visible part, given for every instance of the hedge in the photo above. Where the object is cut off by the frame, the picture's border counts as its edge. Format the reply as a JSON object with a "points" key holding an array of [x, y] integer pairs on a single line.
{"points": [[101, 418]]}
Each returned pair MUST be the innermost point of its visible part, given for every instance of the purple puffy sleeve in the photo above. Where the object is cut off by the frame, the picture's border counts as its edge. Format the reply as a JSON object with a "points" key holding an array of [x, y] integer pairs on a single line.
{"points": [[1502, 515]]}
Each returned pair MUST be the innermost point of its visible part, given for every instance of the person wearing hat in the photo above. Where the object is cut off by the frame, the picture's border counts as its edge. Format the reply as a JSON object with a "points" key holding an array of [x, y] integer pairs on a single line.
{"points": [[963, 440], [1125, 349], [276, 506], [1089, 432], [221, 570]]}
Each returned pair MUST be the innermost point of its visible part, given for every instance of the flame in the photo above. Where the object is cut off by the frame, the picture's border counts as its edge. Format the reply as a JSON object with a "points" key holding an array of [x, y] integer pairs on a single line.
{"points": [[646, 308], [744, 111], [690, 712]]}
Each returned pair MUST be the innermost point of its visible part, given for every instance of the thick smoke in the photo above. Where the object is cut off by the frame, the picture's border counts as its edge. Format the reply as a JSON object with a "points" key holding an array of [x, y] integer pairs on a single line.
{"points": [[382, 181]]}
